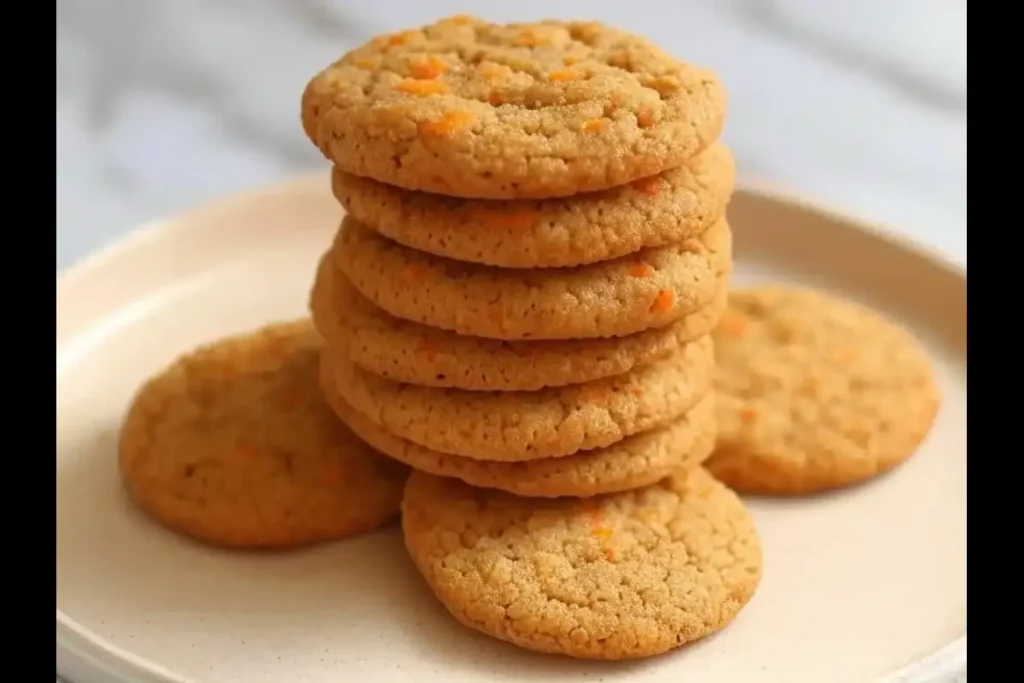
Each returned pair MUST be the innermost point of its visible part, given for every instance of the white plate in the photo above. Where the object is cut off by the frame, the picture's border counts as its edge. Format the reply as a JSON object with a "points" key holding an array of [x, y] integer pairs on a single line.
{"points": [[857, 585]]}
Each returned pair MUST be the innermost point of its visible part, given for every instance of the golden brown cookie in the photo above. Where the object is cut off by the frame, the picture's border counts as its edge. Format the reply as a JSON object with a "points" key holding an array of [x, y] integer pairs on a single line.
{"points": [[471, 109], [529, 425], [651, 212], [636, 461], [815, 392], [408, 352], [651, 288], [627, 575], [233, 444]]}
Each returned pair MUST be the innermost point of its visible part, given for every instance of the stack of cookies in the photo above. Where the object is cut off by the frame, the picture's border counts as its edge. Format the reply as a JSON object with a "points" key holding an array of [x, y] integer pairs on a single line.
{"points": [[518, 305]]}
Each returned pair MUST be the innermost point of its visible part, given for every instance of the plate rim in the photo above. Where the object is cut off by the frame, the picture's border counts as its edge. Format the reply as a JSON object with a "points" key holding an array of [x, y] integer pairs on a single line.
{"points": [[949, 660]]}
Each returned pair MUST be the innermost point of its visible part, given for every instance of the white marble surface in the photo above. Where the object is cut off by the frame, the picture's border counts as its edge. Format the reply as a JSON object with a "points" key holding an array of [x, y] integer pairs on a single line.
{"points": [[163, 105]]}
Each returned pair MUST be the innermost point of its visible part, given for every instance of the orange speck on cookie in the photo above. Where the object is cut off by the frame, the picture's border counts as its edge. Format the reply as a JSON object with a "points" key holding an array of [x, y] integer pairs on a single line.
{"points": [[416, 273], [396, 39], [566, 75], [636, 390], [644, 119], [446, 124], [421, 87], [663, 301], [364, 63], [609, 553], [569, 60], [641, 269], [492, 72], [597, 395], [748, 416], [650, 185], [494, 98], [594, 125], [602, 532], [428, 67], [526, 39], [459, 20]]}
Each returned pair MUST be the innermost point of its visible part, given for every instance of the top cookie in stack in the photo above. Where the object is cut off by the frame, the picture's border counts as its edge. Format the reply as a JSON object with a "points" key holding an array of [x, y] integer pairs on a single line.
{"points": [[534, 252]]}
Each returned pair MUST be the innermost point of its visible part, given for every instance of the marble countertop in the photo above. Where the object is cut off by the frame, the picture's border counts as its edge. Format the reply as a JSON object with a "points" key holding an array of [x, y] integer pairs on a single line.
{"points": [[165, 105]]}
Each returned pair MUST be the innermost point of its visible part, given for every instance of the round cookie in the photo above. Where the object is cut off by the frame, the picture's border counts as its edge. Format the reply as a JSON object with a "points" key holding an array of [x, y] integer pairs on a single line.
{"points": [[627, 575], [551, 109], [651, 288], [815, 392], [234, 445], [636, 461], [408, 352], [651, 212], [529, 425]]}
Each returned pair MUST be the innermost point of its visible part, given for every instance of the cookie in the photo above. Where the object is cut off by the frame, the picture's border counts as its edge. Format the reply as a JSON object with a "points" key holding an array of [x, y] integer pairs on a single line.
{"points": [[627, 575], [416, 354], [234, 445], [636, 461], [815, 392], [529, 425], [651, 288], [550, 109], [651, 212]]}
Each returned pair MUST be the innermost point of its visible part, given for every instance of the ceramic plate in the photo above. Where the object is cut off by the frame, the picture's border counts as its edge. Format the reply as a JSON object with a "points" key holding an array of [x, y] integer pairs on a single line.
{"points": [[864, 585]]}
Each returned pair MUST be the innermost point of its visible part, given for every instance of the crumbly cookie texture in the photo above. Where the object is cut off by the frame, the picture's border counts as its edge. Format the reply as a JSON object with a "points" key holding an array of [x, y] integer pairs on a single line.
{"points": [[815, 392], [470, 109], [408, 352], [529, 425], [651, 212], [234, 445], [636, 461], [651, 288], [622, 576]]}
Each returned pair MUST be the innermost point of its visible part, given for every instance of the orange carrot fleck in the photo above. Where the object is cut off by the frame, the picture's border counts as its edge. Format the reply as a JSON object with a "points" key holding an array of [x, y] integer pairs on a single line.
{"points": [[569, 60], [748, 416], [663, 301], [602, 532], [492, 72], [650, 185], [641, 269], [566, 75], [402, 38], [459, 19], [594, 125], [427, 67], [364, 63], [421, 87], [495, 99], [446, 124], [609, 553], [526, 39], [644, 119]]}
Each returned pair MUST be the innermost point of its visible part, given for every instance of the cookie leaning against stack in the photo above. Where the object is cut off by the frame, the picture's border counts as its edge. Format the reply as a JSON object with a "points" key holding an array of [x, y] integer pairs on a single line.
{"points": [[520, 297]]}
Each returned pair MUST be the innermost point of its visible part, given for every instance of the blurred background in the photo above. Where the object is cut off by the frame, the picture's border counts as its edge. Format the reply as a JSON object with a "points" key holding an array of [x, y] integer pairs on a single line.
{"points": [[164, 104]]}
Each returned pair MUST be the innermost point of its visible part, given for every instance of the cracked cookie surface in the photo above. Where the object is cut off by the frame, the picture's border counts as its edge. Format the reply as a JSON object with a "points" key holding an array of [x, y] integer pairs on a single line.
{"points": [[466, 108], [651, 288], [815, 392], [529, 425], [651, 212], [234, 445], [638, 460], [621, 576], [409, 352]]}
